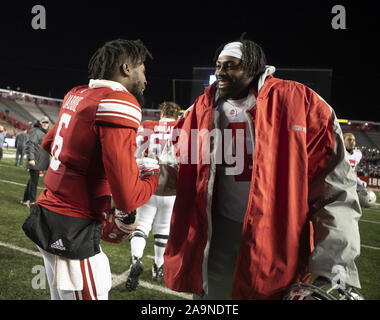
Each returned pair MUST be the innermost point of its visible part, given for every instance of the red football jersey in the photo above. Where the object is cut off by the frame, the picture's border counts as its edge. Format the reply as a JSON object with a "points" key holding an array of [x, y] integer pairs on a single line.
{"points": [[153, 135], [92, 145]]}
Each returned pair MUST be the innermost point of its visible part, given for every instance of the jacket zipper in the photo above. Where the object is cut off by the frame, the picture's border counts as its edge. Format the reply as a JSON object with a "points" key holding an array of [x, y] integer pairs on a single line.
{"points": [[209, 197]]}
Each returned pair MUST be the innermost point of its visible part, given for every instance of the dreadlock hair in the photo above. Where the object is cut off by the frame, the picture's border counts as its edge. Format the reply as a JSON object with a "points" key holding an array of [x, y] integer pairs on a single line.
{"points": [[169, 109], [112, 55], [253, 58]]}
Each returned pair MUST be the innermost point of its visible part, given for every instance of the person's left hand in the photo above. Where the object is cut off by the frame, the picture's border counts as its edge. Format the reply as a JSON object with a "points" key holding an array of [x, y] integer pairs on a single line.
{"points": [[32, 162]]}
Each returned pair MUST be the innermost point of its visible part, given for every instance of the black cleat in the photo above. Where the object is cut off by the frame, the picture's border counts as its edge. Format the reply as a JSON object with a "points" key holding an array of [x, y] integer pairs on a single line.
{"points": [[135, 270], [157, 273]]}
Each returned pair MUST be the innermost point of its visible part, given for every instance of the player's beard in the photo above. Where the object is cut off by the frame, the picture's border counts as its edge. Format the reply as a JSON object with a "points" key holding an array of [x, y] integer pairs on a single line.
{"points": [[236, 89], [138, 93]]}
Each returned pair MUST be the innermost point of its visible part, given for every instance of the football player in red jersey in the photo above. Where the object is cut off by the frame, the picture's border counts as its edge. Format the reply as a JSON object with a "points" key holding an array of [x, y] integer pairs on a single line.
{"points": [[92, 147], [156, 213]]}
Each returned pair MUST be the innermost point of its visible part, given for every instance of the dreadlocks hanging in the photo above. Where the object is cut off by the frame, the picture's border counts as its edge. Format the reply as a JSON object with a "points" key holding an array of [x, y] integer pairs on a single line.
{"points": [[253, 58], [108, 58]]}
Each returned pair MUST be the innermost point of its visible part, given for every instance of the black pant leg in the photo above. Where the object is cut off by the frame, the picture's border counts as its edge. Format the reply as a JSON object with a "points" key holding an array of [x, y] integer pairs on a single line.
{"points": [[33, 182], [17, 155], [22, 152]]}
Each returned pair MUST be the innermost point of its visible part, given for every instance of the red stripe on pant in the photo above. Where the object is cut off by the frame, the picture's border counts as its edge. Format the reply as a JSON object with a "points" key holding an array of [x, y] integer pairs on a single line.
{"points": [[86, 295], [91, 279]]}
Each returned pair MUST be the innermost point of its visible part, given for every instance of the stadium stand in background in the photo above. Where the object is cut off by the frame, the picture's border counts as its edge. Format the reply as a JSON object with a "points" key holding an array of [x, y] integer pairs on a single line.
{"points": [[19, 109]]}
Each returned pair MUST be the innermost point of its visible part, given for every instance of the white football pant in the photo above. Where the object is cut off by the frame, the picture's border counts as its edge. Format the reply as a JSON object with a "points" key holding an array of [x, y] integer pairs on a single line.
{"points": [[93, 272], [155, 215]]}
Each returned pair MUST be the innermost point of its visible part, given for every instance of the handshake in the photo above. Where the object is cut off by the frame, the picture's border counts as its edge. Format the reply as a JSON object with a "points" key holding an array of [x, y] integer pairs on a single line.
{"points": [[147, 166]]}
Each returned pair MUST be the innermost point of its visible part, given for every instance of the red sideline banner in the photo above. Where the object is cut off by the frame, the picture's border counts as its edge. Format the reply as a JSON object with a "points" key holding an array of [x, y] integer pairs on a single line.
{"points": [[371, 182]]}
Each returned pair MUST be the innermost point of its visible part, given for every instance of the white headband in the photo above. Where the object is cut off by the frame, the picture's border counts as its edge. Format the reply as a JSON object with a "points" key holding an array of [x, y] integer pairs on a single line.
{"points": [[232, 49]]}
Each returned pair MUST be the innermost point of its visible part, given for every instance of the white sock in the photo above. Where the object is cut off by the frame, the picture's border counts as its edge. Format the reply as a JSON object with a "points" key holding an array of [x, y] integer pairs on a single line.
{"points": [[137, 246], [159, 255]]}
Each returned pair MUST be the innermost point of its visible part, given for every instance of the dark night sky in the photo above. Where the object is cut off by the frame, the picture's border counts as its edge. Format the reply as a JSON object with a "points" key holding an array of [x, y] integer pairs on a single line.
{"points": [[181, 35]]}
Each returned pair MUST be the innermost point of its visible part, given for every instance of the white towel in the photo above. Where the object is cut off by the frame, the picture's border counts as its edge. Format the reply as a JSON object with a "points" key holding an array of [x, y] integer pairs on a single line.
{"points": [[67, 274]]}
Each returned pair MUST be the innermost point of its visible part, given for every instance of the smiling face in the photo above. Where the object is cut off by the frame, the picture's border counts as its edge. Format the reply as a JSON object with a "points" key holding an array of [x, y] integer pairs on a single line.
{"points": [[232, 80]]}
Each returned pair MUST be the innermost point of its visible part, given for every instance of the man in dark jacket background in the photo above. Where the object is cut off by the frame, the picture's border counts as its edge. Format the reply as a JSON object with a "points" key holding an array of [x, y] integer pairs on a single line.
{"points": [[20, 143], [38, 159], [3, 135]]}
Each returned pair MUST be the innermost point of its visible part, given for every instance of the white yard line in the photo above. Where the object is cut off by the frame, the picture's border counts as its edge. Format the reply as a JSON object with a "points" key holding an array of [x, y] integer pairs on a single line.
{"points": [[121, 278], [17, 184], [116, 279], [9, 155], [370, 247], [27, 251], [370, 221]]}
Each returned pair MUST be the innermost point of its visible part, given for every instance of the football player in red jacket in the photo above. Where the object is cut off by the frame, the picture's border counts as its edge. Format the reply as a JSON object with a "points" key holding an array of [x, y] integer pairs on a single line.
{"points": [[92, 147], [266, 161]]}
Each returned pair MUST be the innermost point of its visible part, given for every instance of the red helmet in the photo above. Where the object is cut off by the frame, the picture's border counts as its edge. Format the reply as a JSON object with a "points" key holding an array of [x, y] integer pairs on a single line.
{"points": [[118, 225]]}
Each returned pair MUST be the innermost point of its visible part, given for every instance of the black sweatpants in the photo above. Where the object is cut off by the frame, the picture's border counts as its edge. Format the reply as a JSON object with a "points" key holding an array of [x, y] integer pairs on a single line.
{"points": [[31, 188]]}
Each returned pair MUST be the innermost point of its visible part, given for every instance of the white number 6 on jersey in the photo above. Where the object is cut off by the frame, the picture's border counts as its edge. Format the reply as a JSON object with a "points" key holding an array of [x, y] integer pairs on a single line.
{"points": [[58, 142]]}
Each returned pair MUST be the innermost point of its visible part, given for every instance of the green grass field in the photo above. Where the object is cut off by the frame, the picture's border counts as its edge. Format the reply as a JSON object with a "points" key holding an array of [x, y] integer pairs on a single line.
{"points": [[20, 258]]}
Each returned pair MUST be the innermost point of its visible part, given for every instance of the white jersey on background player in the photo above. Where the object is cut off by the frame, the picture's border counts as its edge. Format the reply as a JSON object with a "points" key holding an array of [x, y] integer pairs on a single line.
{"points": [[354, 156], [233, 181], [155, 215]]}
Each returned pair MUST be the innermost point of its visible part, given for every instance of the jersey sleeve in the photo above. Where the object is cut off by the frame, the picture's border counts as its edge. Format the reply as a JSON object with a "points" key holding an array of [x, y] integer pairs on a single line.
{"points": [[333, 201], [360, 155], [120, 109], [129, 191], [48, 139]]}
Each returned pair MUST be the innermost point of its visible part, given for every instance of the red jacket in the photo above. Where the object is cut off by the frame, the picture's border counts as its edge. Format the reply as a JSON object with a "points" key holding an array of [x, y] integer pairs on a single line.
{"points": [[300, 173]]}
